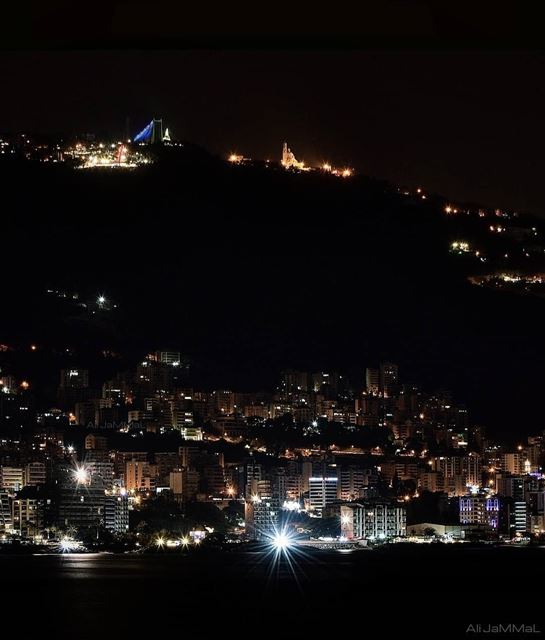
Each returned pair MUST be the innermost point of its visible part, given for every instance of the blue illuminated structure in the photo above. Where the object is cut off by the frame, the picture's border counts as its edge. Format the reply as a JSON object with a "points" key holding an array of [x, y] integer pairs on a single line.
{"points": [[152, 133], [145, 134]]}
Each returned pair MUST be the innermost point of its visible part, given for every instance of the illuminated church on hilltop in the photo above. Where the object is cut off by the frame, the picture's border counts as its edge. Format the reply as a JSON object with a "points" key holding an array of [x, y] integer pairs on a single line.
{"points": [[289, 161]]}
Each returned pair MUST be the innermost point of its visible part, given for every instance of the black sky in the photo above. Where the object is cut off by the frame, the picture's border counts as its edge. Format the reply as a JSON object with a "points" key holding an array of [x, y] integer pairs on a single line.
{"points": [[465, 123]]}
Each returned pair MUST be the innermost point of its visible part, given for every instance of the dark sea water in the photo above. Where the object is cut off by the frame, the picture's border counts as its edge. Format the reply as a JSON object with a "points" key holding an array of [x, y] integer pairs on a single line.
{"points": [[425, 592]]}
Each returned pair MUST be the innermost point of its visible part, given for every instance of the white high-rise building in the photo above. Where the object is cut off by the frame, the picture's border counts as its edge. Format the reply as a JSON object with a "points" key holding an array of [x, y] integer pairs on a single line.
{"points": [[373, 520], [322, 491]]}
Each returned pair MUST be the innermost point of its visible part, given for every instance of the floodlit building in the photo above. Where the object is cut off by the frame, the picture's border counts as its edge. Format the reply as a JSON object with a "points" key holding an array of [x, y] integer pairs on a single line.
{"points": [[289, 161], [373, 520], [480, 510]]}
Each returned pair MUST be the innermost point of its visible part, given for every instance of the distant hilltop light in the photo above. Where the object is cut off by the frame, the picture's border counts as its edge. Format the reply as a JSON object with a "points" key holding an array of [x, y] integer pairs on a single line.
{"points": [[104, 303], [290, 162], [460, 246]]}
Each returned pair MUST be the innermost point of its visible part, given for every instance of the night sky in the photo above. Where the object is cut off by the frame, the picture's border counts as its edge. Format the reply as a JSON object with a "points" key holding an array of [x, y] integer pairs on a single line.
{"points": [[465, 124]]}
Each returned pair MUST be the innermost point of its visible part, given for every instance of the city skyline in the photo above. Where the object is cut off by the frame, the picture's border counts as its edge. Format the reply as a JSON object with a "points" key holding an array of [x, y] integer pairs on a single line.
{"points": [[394, 443], [271, 320]]}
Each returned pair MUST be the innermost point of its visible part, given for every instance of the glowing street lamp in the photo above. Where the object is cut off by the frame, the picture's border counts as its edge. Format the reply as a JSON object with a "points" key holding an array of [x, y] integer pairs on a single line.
{"points": [[160, 542]]}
